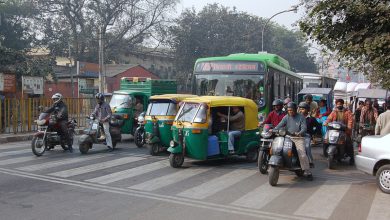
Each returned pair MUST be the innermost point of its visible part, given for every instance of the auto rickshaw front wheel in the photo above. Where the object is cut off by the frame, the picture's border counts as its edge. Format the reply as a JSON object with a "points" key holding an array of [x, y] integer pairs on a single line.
{"points": [[176, 160]]}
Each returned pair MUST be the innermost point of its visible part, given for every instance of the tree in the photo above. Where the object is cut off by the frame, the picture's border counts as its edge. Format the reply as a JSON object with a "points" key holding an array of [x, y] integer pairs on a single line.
{"points": [[124, 24], [357, 30], [219, 31]]}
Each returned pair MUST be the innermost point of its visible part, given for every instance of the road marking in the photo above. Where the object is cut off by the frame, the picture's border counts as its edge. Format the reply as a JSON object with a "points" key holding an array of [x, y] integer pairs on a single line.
{"points": [[377, 211], [13, 153], [125, 174], [95, 167], [163, 198], [259, 197], [215, 185], [18, 160], [324, 200], [169, 179], [57, 163]]}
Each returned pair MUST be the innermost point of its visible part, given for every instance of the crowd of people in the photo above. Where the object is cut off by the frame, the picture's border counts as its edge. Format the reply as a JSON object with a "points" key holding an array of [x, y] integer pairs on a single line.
{"points": [[310, 118]]}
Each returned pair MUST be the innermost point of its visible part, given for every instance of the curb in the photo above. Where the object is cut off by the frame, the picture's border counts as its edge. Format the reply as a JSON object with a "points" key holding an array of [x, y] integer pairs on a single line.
{"points": [[26, 136]]}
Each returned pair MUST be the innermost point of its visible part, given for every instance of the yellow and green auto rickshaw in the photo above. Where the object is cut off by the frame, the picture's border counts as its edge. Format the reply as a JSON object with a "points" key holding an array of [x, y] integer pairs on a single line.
{"points": [[200, 132], [159, 117]]}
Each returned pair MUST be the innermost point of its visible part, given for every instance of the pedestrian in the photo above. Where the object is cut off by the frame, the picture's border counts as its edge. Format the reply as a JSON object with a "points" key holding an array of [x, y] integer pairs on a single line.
{"points": [[382, 126]]}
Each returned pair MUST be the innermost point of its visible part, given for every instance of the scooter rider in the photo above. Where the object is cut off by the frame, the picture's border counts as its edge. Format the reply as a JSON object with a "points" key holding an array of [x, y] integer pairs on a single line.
{"points": [[313, 127], [343, 115], [60, 111], [276, 115], [368, 116], [103, 113], [296, 126]]}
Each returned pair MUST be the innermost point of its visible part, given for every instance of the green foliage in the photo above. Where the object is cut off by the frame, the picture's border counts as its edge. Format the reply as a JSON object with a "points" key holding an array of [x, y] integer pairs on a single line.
{"points": [[357, 30], [218, 30]]}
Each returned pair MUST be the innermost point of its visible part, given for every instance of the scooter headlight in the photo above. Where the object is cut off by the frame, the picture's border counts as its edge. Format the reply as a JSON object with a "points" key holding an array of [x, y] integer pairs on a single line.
{"points": [[336, 126], [172, 143]]}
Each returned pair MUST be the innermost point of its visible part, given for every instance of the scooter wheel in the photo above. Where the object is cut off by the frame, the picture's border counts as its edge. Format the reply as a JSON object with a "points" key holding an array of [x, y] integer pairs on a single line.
{"points": [[84, 148], [331, 162], [273, 175]]}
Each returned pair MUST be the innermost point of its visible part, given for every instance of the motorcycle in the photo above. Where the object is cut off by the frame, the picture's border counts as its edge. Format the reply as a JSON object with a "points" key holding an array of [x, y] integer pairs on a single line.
{"points": [[93, 133], [334, 143], [47, 136], [284, 155], [139, 134], [265, 146]]}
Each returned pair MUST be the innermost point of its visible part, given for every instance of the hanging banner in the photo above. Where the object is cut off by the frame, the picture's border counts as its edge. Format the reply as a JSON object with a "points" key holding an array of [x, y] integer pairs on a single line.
{"points": [[32, 84]]}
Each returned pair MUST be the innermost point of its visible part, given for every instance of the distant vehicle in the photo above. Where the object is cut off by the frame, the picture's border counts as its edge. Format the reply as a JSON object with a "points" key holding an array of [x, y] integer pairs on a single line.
{"points": [[374, 158], [315, 80]]}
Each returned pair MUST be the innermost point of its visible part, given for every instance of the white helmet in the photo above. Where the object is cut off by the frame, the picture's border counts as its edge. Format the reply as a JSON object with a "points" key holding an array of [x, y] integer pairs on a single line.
{"points": [[56, 98]]}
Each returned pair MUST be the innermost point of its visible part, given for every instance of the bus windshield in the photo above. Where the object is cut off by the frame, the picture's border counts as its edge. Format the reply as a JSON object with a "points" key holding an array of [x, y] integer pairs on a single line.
{"points": [[247, 86]]}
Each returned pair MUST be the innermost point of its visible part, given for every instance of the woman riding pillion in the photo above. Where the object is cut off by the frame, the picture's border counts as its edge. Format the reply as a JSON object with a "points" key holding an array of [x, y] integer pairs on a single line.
{"points": [[295, 125], [103, 113]]}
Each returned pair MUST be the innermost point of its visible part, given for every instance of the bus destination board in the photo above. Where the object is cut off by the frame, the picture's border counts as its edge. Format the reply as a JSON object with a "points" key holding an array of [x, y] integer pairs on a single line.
{"points": [[234, 66]]}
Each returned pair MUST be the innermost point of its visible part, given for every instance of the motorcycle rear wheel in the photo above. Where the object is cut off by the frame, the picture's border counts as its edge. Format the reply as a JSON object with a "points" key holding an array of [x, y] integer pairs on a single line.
{"points": [[273, 175], [37, 146]]}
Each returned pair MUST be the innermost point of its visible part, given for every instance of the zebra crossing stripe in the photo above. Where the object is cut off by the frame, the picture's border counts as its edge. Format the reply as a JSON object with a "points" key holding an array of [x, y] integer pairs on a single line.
{"points": [[18, 160], [377, 212], [125, 174], [57, 163], [13, 153], [167, 180], [96, 167], [324, 200], [13, 145], [218, 184], [259, 197]]}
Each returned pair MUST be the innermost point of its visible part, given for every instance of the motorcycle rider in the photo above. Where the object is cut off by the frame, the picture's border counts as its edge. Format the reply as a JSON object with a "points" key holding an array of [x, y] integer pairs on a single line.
{"points": [[103, 113], [368, 116], [313, 127], [276, 115], [296, 126], [343, 115], [60, 111]]}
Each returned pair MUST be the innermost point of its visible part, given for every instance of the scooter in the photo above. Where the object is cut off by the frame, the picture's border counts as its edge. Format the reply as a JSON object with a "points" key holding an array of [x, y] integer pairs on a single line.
{"points": [[284, 155], [334, 143], [139, 133], [265, 146], [93, 133], [47, 137]]}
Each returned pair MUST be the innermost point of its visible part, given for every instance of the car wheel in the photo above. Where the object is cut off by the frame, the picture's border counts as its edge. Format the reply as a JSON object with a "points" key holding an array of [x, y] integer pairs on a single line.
{"points": [[383, 178]]}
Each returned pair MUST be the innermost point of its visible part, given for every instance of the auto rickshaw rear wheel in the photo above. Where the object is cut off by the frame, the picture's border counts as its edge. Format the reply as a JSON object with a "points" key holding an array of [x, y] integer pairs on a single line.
{"points": [[252, 154], [154, 149], [176, 160]]}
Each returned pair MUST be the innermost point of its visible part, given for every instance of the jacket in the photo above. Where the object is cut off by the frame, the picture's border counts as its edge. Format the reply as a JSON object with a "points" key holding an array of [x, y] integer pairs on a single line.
{"points": [[60, 110], [348, 119], [102, 112], [382, 126], [295, 124], [274, 118]]}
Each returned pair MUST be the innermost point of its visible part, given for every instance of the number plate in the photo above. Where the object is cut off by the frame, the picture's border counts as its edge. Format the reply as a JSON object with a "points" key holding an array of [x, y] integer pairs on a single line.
{"points": [[94, 126]]}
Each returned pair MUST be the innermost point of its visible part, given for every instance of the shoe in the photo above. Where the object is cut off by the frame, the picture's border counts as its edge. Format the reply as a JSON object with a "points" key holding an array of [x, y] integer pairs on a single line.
{"points": [[110, 149], [102, 138], [311, 165], [308, 175], [231, 152], [70, 148], [352, 161]]}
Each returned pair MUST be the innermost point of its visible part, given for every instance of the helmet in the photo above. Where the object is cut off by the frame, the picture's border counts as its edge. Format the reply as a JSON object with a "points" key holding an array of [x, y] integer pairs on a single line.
{"points": [[286, 101], [56, 98], [277, 102], [292, 105], [100, 97], [304, 105]]}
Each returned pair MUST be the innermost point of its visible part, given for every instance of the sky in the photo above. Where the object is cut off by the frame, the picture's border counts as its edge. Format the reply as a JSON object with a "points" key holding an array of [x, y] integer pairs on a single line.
{"points": [[261, 8]]}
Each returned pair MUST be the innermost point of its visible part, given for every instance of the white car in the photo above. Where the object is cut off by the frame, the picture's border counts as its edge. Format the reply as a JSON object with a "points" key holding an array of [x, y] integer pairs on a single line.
{"points": [[374, 158]]}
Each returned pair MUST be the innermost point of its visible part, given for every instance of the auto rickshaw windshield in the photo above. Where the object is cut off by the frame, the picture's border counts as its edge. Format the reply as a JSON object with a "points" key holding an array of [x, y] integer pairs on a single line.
{"points": [[192, 112], [120, 101], [168, 109]]}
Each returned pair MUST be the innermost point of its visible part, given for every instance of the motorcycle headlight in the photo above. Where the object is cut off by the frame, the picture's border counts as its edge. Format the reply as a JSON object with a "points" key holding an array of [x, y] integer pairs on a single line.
{"points": [[41, 122], [140, 119], [266, 134]]}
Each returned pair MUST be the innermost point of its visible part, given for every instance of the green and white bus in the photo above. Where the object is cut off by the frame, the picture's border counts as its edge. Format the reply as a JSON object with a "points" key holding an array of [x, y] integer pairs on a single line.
{"points": [[262, 77]]}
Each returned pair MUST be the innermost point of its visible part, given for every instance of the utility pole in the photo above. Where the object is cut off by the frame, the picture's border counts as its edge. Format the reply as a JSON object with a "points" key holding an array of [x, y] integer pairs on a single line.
{"points": [[101, 61], [70, 70]]}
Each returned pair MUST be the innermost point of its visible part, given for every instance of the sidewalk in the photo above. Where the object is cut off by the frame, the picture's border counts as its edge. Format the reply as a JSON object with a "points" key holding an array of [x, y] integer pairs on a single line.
{"points": [[6, 138]]}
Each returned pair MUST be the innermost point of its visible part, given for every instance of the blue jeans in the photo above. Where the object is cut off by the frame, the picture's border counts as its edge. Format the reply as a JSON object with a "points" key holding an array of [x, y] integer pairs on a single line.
{"points": [[308, 147], [232, 135]]}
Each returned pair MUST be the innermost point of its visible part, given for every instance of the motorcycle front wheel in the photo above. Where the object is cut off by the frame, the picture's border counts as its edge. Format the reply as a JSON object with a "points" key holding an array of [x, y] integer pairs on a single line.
{"points": [[37, 146], [138, 137], [263, 161]]}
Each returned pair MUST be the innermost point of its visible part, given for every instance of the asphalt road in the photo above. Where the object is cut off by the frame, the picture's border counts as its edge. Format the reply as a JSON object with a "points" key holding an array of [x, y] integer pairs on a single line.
{"points": [[130, 184]]}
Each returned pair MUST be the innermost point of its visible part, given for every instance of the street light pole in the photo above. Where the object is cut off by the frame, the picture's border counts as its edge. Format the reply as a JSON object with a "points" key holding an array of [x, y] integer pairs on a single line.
{"points": [[101, 60], [293, 8]]}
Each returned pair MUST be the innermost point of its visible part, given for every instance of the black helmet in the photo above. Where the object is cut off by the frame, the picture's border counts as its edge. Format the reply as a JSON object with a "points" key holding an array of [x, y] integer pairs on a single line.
{"points": [[100, 97], [277, 102], [304, 105], [292, 105]]}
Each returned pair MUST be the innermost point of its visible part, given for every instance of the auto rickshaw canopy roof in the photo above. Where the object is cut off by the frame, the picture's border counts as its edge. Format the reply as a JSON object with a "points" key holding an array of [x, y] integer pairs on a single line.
{"points": [[250, 107], [172, 97]]}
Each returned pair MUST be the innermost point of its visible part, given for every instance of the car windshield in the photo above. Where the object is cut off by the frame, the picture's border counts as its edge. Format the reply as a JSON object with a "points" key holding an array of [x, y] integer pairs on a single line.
{"points": [[161, 109], [187, 112], [120, 100]]}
